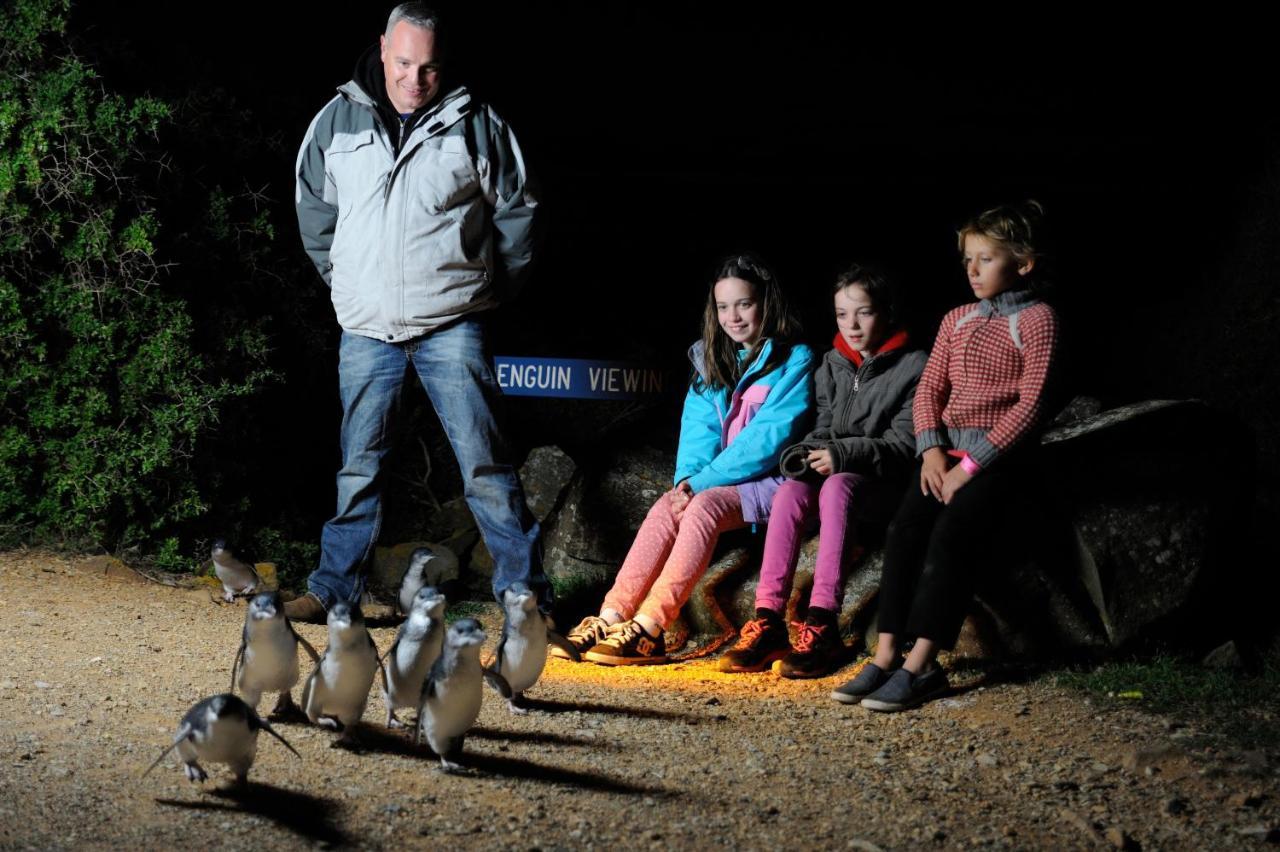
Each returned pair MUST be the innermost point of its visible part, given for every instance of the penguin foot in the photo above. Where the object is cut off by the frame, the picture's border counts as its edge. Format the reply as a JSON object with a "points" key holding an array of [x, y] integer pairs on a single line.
{"points": [[229, 597], [393, 722], [348, 741], [284, 704], [194, 773], [516, 709], [452, 768], [329, 722]]}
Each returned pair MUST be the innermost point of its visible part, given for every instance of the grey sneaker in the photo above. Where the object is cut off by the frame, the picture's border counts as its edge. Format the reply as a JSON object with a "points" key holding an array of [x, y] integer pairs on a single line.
{"points": [[865, 682], [904, 690]]}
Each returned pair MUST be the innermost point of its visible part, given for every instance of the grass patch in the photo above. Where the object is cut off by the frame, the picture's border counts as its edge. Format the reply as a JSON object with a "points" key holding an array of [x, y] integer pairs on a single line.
{"points": [[462, 609], [1240, 706]]}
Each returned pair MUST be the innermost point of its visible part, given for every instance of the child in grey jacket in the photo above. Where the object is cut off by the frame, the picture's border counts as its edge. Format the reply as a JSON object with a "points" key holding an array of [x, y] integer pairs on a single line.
{"points": [[852, 467]]}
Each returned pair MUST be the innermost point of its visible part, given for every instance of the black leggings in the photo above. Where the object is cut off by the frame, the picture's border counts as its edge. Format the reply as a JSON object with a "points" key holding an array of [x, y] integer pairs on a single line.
{"points": [[935, 555]]}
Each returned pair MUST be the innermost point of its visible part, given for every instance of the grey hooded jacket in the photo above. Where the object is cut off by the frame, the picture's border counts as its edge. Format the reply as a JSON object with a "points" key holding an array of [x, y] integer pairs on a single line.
{"points": [[409, 242], [864, 415]]}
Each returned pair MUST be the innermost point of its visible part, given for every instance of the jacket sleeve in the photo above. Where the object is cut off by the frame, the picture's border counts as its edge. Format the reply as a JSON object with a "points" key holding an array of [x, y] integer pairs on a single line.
{"points": [[890, 453], [317, 208], [793, 462], [780, 420], [699, 435], [934, 390], [516, 212], [1039, 346]]}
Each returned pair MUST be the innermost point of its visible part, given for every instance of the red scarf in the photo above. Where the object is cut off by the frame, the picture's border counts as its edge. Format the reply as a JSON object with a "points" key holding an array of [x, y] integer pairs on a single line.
{"points": [[897, 341]]}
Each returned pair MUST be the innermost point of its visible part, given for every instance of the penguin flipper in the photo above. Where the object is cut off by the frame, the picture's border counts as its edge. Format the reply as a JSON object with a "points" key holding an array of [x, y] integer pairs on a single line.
{"points": [[183, 732], [235, 666], [386, 684], [392, 650], [498, 682], [259, 722], [563, 644], [310, 649], [309, 694]]}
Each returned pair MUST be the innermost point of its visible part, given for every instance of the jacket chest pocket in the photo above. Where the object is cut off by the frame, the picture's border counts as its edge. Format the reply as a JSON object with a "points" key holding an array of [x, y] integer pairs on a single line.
{"points": [[353, 165], [441, 180], [752, 399]]}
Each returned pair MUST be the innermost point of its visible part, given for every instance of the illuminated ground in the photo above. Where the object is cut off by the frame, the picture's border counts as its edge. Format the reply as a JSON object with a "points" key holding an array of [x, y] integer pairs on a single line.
{"points": [[96, 672]]}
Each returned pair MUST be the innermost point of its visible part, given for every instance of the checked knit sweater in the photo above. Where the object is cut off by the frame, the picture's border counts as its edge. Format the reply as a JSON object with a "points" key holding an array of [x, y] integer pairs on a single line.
{"points": [[983, 388]]}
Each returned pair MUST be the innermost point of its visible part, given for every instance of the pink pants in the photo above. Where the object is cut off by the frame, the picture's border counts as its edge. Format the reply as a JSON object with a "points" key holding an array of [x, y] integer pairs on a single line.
{"points": [[669, 556], [842, 498]]}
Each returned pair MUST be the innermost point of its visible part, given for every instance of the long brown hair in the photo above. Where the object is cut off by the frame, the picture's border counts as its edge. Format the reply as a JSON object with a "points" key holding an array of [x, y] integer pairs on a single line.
{"points": [[778, 323]]}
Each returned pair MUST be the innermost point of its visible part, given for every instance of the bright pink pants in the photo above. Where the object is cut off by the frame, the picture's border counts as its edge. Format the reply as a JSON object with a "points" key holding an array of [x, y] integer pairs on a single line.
{"points": [[835, 505], [670, 555]]}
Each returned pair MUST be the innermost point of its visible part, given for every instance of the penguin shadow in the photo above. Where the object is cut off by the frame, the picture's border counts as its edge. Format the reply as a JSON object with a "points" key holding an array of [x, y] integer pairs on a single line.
{"points": [[539, 738], [310, 816], [380, 740], [514, 767], [592, 707]]}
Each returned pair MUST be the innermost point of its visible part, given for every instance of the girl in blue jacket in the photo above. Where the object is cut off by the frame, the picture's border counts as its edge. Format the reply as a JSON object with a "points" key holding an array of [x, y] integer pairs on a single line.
{"points": [[750, 396]]}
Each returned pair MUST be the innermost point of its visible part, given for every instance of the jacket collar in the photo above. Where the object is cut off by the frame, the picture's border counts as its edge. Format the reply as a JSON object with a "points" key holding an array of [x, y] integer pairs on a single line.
{"points": [[697, 351], [895, 341], [1007, 303], [367, 88]]}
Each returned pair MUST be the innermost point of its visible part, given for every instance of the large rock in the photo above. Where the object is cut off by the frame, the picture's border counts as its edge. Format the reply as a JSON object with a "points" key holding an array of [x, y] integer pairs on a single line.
{"points": [[389, 564], [1130, 540], [588, 538], [546, 475]]}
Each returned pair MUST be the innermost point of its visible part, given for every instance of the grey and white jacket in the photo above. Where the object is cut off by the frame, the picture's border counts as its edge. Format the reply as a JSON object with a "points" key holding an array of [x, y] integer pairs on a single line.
{"points": [[864, 415], [410, 241]]}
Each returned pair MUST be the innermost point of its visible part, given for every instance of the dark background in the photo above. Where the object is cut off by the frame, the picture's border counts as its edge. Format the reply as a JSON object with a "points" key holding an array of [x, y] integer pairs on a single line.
{"points": [[667, 135]]}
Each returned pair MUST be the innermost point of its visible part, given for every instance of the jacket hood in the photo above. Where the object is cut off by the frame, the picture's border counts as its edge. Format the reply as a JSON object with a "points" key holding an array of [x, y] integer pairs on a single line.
{"points": [[898, 340]]}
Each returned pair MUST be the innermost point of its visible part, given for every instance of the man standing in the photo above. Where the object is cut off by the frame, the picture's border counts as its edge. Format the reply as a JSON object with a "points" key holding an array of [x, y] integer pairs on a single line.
{"points": [[414, 206]]}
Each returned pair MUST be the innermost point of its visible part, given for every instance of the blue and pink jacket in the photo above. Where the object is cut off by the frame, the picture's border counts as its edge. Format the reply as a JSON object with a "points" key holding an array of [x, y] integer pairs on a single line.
{"points": [[736, 438]]}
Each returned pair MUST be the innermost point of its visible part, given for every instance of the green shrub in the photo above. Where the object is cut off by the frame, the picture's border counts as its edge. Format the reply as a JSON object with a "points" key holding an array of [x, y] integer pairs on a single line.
{"points": [[108, 387]]}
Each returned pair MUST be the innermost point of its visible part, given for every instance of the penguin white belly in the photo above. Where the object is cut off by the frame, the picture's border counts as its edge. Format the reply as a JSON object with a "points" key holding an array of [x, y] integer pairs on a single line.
{"points": [[270, 664], [451, 711], [227, 741], [408, 670], [523, 660], [345, 681]]}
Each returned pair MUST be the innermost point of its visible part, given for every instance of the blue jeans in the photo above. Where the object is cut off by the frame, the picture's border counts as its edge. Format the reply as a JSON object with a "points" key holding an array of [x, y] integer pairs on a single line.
{"points": [[454, 369]]}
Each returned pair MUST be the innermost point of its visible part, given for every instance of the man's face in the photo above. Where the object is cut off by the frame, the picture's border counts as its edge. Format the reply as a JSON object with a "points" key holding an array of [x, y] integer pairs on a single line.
{"points": [[410, 67]]}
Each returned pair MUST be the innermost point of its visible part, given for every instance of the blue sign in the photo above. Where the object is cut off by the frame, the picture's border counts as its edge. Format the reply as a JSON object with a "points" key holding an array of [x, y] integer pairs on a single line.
{"points": [[577, 378]]}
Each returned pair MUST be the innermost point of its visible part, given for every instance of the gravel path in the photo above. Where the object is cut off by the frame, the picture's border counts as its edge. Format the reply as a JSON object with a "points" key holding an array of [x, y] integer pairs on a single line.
{"points": [[99, 669]]}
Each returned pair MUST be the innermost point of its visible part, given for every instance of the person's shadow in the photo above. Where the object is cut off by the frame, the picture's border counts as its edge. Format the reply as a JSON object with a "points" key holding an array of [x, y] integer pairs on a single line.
{"points": [[312, 817]]}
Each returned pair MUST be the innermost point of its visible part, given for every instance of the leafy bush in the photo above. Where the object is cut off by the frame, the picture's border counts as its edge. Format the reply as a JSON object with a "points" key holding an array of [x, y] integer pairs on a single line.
{"points": [[107, 386]]}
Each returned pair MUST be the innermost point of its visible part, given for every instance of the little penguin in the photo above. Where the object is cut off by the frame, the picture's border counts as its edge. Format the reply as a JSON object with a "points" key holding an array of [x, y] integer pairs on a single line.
{"points": [[451, 697], [338, 689], [219, 729], [411, 656], [268, 657], [237, 578], [415, 576], [522, 648]]}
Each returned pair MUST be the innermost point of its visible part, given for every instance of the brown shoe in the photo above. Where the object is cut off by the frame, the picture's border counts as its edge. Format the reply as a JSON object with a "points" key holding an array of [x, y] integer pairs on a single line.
{"points": [[306, 609]]}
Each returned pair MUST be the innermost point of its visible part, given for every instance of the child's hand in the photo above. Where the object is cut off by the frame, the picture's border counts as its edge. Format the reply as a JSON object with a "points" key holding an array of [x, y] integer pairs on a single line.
{"points": [[820, 461], [933, 470], [680, 497], [955, 479]]}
